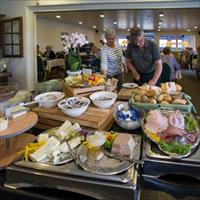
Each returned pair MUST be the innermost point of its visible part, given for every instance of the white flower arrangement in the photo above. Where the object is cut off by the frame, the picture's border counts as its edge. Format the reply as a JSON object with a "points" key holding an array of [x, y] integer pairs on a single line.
{"points": [[72, 41]]}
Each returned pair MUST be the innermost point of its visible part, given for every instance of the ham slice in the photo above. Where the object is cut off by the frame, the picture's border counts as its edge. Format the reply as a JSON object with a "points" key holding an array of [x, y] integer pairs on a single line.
{"points": [[177, 120], [156, 122], [173, 131]]}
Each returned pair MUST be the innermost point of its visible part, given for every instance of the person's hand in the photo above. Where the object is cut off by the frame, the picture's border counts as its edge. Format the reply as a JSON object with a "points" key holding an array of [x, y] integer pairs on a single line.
{"points": [[152, 82], [136, 77], [104, 72]]}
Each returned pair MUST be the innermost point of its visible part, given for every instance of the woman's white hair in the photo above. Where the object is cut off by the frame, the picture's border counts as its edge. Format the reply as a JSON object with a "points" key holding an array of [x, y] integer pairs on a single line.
{"points": [[110, 32]]}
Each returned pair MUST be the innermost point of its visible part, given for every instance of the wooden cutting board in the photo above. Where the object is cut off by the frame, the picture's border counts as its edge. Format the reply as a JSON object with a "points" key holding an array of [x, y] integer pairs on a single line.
{"points": [[95, 118], [125, 94]]}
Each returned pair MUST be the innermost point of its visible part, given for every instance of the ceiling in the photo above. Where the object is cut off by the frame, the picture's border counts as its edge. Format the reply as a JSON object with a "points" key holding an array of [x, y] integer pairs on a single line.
{"points": [[173, 20]]}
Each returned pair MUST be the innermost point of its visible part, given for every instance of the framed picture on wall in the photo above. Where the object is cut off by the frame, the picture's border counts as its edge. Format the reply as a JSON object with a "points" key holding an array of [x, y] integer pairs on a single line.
{"points": [[12, 37]]}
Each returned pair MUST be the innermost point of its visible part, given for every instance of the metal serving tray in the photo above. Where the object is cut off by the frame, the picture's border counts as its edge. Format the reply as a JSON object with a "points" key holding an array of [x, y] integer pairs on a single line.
{"points": [[18, 177], [158, 164], [71, 168]]}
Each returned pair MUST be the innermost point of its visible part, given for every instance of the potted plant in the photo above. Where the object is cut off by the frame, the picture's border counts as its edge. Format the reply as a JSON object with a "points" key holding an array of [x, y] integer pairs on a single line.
{"points": [[71, 43]]}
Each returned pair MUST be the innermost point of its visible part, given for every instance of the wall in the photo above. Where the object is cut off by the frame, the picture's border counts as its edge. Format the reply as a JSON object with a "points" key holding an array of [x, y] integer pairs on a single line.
{"points": [[48, 33]]}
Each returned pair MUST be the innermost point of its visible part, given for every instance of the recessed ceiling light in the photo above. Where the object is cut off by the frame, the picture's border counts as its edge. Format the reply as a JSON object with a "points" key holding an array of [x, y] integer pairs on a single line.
{"points": [[114, 22], [94, 26], [160, 22], [158, 30], [104, 29], [161, 15], [58, 16], [80, 22], [159, 27], [101, 16], [188, 30], [195, 27], [128, 29]]}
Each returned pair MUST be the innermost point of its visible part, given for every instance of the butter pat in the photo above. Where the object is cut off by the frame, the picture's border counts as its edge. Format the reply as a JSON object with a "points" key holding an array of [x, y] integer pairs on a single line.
{"points": [[3, 124]]}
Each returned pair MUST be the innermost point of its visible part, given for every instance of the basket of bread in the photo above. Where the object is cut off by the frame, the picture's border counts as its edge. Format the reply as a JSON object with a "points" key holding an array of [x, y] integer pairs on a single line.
{"points": [[169, 95]]}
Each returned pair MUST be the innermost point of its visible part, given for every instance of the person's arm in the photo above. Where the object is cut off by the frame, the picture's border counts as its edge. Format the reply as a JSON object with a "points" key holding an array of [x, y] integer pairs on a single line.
{"points": [[158, 62], [135, 74], [104, 61], [157, 73], [129, 64]]}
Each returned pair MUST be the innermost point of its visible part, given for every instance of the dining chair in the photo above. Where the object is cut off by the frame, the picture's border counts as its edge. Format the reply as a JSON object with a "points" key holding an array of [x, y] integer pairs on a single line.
{"points": [[55, 63], [165, 75]]}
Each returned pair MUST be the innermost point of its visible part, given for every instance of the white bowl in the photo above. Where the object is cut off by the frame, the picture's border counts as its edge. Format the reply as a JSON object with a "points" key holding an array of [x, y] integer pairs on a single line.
{"points": [[64, 105], [96, 139], [98, 99], [48, 103], [128, 125]]}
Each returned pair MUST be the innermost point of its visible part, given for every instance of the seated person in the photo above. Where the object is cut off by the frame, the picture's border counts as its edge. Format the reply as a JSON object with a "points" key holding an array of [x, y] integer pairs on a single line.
{"points": [[39, 53], [170, 59], [49, 53]]}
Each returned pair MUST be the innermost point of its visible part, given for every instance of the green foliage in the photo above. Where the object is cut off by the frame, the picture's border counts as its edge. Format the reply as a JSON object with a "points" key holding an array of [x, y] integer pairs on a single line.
{"points": [[74, 60]]}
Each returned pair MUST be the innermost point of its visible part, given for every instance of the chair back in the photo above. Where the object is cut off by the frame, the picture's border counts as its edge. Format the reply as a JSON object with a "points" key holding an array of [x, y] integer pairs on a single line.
{"points": [[165, 75], [55, 63], [40, 67]]}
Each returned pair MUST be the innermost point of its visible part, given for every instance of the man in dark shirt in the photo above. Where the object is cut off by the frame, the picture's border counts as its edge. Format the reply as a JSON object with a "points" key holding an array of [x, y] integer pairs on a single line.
{"points": [[143, 58]]}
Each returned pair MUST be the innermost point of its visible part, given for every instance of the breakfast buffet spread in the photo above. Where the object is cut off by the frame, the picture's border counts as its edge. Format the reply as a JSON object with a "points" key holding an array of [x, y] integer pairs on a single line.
{"points": [[165, 114]]}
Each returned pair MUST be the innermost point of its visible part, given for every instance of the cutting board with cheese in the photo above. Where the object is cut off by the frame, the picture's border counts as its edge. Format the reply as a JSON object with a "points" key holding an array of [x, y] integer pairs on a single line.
{"points": [[93, 118]]}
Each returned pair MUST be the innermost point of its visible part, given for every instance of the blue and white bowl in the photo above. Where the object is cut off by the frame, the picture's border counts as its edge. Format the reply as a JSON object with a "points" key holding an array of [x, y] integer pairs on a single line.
{"points": [[128, 117]]}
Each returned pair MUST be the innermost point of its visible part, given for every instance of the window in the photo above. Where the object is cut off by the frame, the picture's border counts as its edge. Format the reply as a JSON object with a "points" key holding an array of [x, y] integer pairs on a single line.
{"points": [[122, 41], [176, 42], [167, 40], [12, 37]]}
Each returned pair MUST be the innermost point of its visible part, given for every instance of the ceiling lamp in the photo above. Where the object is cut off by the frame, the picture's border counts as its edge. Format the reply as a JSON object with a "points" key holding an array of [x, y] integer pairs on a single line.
{"points": [[80, 22], [128, 29], [114, 22], [94, 26], [161, 14], [195, 27], [102, 16], [58, 16], [188, 30]]}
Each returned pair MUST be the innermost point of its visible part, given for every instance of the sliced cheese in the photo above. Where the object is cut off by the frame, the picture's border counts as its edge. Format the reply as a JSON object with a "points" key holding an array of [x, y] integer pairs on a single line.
{"points": [[51, 144], [73, 143]]}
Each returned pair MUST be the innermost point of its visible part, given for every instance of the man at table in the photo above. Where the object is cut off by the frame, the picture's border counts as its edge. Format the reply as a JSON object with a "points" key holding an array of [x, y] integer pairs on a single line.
{"points": [[143, 58]]}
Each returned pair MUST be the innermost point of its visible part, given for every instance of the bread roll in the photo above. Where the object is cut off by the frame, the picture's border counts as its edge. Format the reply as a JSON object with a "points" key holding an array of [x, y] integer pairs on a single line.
{"points": [[160, 97], [179, 101], [142, 92], [164, 102], [137, 98], [167, 98], [178, 87], [152, 101], [150, 93]]}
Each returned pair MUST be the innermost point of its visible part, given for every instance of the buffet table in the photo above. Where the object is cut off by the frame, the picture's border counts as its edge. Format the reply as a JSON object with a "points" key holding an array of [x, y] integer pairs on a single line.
{"points": [[93, 118], [125, 94]]}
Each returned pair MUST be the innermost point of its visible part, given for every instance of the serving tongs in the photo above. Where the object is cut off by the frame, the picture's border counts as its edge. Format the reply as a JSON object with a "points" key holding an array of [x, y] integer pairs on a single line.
{"points": [[124, 158], [72, 154]]}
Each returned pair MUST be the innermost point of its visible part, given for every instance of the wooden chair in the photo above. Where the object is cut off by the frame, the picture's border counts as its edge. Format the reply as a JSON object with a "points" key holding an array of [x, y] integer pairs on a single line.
{"points": [[165, 75], [55, 63]]}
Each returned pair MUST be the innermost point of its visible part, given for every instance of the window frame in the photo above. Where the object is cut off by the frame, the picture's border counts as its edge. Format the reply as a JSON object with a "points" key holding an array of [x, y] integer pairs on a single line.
{"points": [[14, 46]]}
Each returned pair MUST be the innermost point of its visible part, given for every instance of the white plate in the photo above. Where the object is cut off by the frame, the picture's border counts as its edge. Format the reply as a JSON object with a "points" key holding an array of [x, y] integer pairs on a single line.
{"points": [[130, 85]]}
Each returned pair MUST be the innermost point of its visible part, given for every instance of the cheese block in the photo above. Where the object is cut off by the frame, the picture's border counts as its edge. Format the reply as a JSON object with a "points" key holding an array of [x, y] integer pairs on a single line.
{"points": [[51, 144], [73, 143]]}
